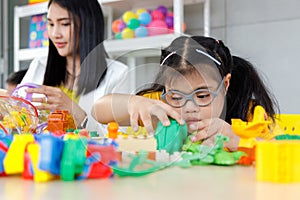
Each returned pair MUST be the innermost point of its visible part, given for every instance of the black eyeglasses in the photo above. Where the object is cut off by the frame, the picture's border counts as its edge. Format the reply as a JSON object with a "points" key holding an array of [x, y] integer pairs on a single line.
{"points": [[201, 97]]}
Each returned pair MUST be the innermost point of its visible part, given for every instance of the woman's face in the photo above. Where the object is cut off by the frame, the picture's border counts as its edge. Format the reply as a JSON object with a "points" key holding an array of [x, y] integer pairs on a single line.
{"points": [[60, 29], [191, 112]]}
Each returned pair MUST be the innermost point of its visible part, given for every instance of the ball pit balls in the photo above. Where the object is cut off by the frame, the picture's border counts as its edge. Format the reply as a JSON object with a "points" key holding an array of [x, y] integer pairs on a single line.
{"points": [[129, 15], [144, 22], [145, 18], [141, 31]]}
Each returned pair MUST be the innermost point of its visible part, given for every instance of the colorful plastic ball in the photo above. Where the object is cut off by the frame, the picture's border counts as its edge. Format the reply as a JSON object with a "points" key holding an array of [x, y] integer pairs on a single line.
{"points": [[145, 18], [133, 23], [127, 33], [157, 27], [122, 25], [157, 15], [118, 36], [169, 21], [141, 31], [128, 15], [163, 10], [139, 11], [115, 25]]}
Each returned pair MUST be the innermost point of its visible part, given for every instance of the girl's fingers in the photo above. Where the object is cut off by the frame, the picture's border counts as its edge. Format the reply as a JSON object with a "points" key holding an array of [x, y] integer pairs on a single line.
{"points": [[147, 121], [134, 121]]}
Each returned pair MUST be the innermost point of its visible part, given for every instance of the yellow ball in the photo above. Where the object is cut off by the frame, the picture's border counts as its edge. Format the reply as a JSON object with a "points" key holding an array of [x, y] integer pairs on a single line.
{"points": [[127, 33], [140, 10], [128, 15]]}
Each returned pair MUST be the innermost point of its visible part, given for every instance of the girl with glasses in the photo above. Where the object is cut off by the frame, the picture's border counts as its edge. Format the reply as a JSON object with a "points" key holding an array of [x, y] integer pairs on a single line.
{"points": [[200, 83]]}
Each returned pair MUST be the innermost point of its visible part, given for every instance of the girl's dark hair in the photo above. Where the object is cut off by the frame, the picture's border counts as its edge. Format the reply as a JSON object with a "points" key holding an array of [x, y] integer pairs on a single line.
{"points": [[246, 88], [89, 24]]}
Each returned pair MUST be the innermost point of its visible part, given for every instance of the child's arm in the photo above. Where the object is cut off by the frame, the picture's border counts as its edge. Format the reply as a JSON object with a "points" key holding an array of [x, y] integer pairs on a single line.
{"points": [[129, 109]]}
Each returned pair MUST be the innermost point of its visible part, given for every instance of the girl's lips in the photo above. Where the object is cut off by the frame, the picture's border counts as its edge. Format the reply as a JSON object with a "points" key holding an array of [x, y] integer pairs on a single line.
{"points": [[191, 121], [60, 44]]}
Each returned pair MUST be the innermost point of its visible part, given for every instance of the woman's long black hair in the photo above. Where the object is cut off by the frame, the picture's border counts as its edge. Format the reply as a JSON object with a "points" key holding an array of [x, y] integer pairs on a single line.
{"points": [[246, 89], [89, 24]]}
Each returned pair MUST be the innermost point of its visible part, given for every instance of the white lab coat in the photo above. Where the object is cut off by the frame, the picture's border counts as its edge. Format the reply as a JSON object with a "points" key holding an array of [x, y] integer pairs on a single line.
{"points": [[115, 81]]}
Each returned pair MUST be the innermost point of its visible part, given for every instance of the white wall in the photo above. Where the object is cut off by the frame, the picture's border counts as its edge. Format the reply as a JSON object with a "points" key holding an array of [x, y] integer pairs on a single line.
{"points": [[266, 32]]}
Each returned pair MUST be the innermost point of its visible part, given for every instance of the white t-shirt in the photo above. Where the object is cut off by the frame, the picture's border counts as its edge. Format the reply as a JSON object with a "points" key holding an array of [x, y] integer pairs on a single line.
{"points": [[115, 81]]}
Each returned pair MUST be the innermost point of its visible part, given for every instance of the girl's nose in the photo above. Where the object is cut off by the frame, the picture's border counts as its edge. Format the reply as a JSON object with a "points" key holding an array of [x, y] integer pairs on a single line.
{"points": [[191, 107], [55, 33]]}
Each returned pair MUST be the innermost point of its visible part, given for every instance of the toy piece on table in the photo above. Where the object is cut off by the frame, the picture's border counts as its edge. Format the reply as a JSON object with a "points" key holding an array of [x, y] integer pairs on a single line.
{"points": [[289, 123], [17, 115], [60, 120], [278, 161], [202, 155], [34, 155], [141, 132], [14, 159], [73, 158], [5, 142], [113, 128], [99, 162], [172, 137], [287, 137], [137, 166], [258, 127]]}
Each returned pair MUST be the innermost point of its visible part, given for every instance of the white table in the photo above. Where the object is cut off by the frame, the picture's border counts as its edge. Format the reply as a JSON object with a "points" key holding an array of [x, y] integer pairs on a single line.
{"points": [[197, 182]]}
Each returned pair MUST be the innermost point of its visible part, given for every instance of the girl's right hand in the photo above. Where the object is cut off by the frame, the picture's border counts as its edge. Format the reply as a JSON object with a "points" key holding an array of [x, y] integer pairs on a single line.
{"points": [[142, 108]]}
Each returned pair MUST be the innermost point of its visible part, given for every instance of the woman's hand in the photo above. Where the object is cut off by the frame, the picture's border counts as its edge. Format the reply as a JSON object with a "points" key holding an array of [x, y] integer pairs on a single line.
{"points": [[207, 128], [56, 99], [141, 108]]}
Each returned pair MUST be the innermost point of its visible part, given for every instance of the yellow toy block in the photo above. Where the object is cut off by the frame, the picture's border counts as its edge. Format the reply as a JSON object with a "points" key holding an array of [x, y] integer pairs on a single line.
{"points": [[14, 160], [39, 175], [289, 123], [249, 131], [278, 161]]}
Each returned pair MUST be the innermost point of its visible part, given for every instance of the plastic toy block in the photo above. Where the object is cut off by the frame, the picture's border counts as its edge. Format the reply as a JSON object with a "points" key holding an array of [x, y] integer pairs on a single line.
{"points": [[99, 161], [73, 158], [289, 123], [51, 149], [14, 159], [60, 120], [278, 161], [172, 137], [33, 150], [258, 126], [140, 132], [4, 145], [113, 128]]}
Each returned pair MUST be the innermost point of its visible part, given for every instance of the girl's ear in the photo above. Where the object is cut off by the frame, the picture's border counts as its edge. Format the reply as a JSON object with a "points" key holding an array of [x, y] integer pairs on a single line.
{"points": [[227, 81]]}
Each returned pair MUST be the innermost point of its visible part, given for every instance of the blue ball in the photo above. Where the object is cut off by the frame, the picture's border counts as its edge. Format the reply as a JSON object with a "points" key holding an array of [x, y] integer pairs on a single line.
{"points": [[145, 18], [141, 31]]}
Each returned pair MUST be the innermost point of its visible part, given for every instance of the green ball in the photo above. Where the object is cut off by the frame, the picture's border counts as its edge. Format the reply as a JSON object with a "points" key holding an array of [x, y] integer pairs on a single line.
{"points": [[133, 23], [118, 36]]}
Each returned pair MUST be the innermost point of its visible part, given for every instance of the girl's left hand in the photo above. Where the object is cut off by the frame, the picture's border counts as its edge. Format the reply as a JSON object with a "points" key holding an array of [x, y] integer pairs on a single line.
{"points": [[56, 99], [207, 128]]}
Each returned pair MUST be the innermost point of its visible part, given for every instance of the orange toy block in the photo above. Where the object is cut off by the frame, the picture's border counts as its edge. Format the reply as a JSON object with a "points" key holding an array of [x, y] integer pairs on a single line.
{"points": [[60, 120]]}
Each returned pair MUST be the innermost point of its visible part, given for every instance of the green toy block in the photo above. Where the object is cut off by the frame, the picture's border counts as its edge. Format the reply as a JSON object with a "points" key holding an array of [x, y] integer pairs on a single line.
{"points": [[73, 158], [172, 137]]}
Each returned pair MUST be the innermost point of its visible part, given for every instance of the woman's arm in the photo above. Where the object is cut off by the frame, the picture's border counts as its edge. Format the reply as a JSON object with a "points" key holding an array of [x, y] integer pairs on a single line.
{"points": [[128, 109]]}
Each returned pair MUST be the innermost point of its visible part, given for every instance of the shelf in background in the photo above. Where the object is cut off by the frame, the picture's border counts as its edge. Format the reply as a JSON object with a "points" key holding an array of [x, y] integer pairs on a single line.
{"points": [[129, 46], [123, 5]]}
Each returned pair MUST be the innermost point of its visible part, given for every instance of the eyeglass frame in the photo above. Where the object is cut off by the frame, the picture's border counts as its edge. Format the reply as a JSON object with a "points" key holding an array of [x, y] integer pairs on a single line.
{"points": [[189, 97]]}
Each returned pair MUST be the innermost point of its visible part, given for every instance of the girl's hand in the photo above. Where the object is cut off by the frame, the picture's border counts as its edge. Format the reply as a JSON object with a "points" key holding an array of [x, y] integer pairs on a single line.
{"points": [[56, 99], [207, 128], [141, 108]]}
